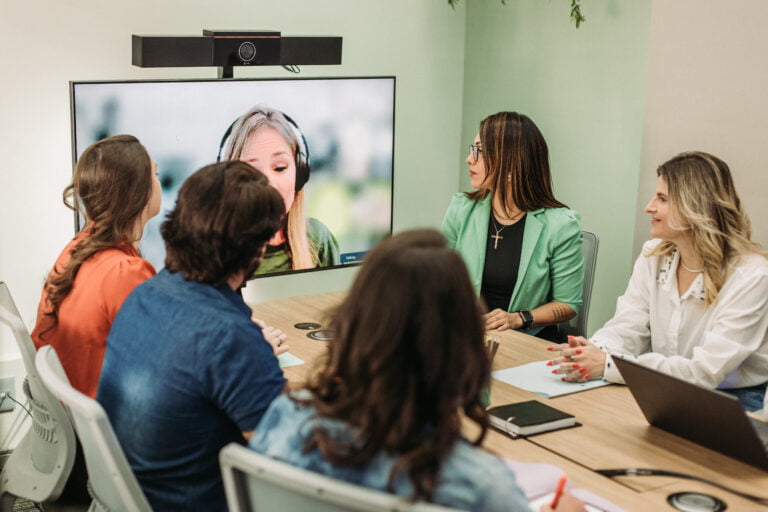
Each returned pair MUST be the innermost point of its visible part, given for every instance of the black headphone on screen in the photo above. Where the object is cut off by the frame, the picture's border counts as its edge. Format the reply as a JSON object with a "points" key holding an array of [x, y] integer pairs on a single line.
{"points": [[302, 152]]}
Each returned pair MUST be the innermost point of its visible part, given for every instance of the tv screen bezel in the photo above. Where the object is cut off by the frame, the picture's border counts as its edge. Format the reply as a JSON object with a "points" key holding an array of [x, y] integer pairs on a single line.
{"points": [[73, 132]]}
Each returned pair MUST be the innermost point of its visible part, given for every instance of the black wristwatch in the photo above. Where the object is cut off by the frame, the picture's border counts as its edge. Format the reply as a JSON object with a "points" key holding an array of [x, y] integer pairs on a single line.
{"points": [[527, 317]]}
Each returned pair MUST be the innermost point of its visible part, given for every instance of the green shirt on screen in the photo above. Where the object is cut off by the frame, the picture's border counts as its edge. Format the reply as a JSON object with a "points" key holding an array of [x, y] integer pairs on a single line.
{"points": [[278, 258]]}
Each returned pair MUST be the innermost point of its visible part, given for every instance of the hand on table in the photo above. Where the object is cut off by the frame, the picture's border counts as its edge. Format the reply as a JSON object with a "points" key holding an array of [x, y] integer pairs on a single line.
{"points": [[579, 360], [567, 503], [274, 337], [501, 320]]}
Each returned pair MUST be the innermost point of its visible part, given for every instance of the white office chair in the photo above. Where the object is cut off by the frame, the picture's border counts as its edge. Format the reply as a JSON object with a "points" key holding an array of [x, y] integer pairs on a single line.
{"points": [[111, 482], [577, 326], [257, 483], [40, 464]]}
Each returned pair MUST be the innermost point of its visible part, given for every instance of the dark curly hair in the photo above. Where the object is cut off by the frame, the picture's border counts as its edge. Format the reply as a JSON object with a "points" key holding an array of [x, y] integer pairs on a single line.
{"points": [[224, 216]]}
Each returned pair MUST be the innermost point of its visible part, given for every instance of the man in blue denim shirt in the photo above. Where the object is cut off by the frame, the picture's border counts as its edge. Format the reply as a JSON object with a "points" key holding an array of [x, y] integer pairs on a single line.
{"points": [[186, 370]]}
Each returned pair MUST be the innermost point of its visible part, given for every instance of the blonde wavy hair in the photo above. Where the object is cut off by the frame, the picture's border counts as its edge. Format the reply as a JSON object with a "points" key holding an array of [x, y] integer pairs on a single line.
{"points": [[303, 253], [703, 196]]}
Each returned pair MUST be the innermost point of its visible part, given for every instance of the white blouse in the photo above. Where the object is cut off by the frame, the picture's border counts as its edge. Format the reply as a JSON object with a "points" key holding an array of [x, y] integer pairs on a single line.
{"points": [[722, 346]]}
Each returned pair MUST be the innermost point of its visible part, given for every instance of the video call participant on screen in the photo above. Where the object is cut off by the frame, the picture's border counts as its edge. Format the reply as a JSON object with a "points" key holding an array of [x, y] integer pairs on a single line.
{"points": [[384, 409], [696, 306], [522, 246], [272, 142], [186, 370], [116, 188]]}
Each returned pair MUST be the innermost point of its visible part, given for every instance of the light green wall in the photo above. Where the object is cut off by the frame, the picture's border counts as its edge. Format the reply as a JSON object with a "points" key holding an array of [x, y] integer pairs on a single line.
{"points": [[47, 43], [421, 43], [583, 87], [585, 90]]}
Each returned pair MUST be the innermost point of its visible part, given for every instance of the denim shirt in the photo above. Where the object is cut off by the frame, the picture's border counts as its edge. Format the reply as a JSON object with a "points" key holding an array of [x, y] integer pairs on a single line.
{"points": [[186, 371], [470, 479]]}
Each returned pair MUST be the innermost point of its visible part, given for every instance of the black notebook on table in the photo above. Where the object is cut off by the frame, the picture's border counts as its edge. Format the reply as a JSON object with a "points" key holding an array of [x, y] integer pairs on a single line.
{"points": [[702, 415], [529, 418]]}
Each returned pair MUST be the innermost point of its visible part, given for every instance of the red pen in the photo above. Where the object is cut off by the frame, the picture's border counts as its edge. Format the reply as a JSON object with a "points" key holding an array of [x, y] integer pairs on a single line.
{"points": [[559, 491]]}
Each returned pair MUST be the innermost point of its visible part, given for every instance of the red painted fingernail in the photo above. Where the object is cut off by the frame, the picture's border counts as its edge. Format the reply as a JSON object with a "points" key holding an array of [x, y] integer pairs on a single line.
{"points": [[578, 351], [549, 363], [550, 348], [583, 370], [562, 378], [587, 376], [554, 371], [576, 366]]}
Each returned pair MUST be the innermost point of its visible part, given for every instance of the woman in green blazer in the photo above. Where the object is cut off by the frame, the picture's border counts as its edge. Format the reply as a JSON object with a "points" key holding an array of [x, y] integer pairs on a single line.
{"points": [[522, 247]]}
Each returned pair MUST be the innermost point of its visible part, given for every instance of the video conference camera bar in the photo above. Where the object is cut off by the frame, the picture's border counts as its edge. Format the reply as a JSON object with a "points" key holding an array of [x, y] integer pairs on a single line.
{"points": [[227, 49]]}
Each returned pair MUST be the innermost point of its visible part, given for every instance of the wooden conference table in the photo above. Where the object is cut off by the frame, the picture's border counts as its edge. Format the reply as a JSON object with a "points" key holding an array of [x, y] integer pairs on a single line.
{"points": [[614, 433]]}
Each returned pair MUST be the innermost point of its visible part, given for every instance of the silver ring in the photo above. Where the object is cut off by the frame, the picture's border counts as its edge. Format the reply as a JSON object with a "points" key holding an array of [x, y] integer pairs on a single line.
{"points": [[570, 358]]}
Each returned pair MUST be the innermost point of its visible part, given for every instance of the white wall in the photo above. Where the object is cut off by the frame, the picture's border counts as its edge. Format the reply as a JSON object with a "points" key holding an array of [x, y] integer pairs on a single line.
{"points": [[707, 84], [45, 44]]}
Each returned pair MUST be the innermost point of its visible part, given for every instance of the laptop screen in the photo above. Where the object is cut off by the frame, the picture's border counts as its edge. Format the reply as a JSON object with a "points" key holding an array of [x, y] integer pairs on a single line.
{"points": [[705, 416]]}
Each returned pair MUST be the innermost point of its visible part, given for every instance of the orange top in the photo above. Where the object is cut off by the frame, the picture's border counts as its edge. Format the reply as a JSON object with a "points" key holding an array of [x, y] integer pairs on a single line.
{"points": [[86, 314]]}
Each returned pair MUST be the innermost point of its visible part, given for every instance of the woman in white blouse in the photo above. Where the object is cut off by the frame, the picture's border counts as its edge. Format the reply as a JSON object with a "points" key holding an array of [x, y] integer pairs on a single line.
{"points": [[696, 306]]}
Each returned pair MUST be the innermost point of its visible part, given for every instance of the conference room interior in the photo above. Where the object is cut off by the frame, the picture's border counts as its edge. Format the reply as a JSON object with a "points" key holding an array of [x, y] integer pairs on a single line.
{"points": [[636, 83]]}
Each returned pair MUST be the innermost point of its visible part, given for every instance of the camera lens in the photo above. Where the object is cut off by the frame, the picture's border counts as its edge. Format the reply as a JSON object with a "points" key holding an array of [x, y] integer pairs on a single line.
{"points": [[246, 51]]}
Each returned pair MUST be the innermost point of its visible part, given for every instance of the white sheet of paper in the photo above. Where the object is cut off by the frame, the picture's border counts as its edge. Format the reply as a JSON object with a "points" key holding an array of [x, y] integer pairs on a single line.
{"points": [[538, 378], [546, 500], [288, 359], [538, 482]]}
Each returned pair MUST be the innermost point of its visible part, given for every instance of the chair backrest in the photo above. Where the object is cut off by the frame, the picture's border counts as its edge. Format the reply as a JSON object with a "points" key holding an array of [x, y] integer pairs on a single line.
{"points": [[111, 481], [40, 464], [257, 483], [577, 325]]}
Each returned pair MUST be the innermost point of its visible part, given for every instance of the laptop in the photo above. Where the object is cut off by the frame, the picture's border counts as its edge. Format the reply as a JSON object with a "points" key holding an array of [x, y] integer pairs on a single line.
{"points": [[708, 417]]}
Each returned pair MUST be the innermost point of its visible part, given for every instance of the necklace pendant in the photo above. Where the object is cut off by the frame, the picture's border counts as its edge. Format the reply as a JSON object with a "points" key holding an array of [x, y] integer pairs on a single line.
{"points": [[496, 239]]}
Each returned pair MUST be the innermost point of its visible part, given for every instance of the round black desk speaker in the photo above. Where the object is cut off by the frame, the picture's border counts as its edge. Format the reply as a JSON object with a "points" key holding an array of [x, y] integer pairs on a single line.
{"points": [[695, 502], [307, 326], [321, 335]]}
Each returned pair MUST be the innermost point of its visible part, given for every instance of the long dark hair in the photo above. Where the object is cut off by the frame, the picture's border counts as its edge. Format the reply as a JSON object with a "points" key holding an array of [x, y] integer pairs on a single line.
{"points": [[224, 216], [112, 183], [407, 355], [516, 162]]}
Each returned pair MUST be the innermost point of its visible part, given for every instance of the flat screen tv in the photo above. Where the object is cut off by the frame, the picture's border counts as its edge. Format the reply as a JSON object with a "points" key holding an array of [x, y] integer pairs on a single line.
{"points": [[344, 125]]}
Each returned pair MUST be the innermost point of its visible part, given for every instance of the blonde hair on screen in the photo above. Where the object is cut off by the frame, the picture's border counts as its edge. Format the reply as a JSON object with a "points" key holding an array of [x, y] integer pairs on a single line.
{"points": [[303, 253]]}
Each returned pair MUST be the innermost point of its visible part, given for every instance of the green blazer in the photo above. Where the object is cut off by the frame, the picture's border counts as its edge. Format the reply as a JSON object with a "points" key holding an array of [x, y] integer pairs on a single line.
{"points": [[551, 262]]}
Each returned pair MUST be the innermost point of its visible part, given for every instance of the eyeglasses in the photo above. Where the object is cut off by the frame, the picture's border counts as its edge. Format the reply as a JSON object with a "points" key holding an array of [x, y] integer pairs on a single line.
{"points": [[475, 151]]}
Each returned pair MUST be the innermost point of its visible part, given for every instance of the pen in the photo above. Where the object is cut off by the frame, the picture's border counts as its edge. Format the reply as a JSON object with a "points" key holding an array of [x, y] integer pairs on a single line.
{"points": [[559, 491]]}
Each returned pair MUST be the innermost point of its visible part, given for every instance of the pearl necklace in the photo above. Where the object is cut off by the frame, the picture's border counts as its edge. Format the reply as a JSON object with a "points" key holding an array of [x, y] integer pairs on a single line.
{"points": [[692, 271]]}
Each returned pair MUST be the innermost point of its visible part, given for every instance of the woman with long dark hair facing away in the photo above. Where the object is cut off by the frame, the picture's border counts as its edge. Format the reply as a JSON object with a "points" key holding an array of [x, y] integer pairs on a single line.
{"points": [[522, 246], [696, 306], [407, 362], [116, 188]]}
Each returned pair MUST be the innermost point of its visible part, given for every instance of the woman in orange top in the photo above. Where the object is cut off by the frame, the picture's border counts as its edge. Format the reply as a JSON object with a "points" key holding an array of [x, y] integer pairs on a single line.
{"points": [[115, 182]]}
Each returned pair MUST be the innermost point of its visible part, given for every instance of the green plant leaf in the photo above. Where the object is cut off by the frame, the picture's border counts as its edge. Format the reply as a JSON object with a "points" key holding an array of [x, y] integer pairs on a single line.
{"points": [[576, 17]]}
